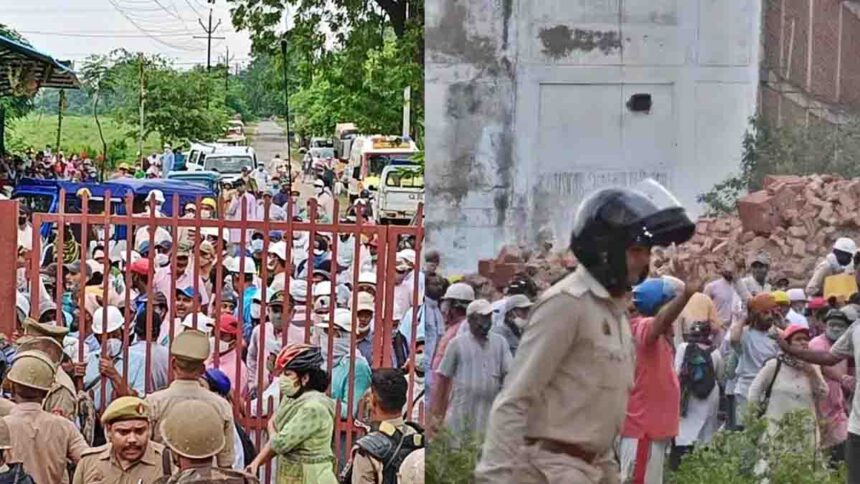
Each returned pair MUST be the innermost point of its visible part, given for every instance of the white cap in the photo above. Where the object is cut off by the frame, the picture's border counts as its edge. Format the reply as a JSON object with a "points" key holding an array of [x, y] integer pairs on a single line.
{"points": [[518, 301], [159, 197], [796, 295], [299, 290], [342, 320], [22, 303], [204, 322], [481, 306], [115, 320], [279, 248], [407, 255], [850, 311], [232, 264], [460, 291], [322, 288], [213, 231], [365, 302], [367, 278], [845, 245]]}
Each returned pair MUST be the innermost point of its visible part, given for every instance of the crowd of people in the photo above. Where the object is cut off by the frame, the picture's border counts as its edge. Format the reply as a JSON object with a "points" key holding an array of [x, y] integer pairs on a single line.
{"points": [[612, 376], [259, 326]]}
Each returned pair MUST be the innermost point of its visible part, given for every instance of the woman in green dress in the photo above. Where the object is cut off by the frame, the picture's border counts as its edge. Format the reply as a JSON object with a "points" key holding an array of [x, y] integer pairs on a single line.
{"points": [[300, 433]]}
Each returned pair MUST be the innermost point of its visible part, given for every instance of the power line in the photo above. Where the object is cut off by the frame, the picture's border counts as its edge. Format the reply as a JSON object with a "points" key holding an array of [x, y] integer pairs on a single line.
{"points": [[135, 24], [103, 35]]}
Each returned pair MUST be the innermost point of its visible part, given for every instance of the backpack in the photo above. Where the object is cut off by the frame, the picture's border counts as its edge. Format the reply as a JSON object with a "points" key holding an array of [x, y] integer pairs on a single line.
{"points": [[387, 445], [697, 372]]}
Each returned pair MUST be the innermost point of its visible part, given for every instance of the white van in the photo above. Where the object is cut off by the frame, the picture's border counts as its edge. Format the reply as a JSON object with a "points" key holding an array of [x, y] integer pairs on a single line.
{"points": [[227, 160], [400, 191]]}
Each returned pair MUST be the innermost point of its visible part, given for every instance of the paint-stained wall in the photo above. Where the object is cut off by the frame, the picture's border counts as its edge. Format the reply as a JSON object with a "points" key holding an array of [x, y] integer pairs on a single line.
{"points": [[527, 109]]}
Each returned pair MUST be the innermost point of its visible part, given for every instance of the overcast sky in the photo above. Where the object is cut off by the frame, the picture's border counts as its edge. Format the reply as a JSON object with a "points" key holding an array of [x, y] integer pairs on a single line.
{"points": [[73, 29]]}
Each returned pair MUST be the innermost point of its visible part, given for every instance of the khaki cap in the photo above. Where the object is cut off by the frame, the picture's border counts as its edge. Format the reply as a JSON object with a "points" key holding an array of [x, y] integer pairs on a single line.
{"points": [[191, 344], [192, 429], [35, 328], [48, 346], [32, 369], [5, 436], [125, 408]]}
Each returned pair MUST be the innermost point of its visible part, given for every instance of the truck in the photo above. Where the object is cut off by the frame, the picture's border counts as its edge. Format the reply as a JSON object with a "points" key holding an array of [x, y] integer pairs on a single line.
{"points": [[344, 134], [369, 156], [400, 191]]}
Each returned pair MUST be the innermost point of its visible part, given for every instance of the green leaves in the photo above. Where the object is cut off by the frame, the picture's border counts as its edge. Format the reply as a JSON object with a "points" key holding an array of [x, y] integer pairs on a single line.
{"points": [[349, 61]]}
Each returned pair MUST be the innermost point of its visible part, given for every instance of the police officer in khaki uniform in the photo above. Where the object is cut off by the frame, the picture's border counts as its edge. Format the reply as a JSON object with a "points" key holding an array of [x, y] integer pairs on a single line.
{"points": [[193, 437], [53, 331], [377, 457], [565, 400], [61, 399], [43, 442], [129, 456], [189, 351], [10, 473]]}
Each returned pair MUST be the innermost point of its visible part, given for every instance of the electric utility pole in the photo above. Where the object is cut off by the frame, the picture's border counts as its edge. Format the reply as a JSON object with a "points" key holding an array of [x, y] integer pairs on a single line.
{"points": [[227, 60], [209, 31]]}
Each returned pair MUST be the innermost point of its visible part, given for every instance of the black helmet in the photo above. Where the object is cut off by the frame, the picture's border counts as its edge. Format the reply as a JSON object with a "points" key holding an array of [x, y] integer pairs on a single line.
{"points": [[611, 220]]}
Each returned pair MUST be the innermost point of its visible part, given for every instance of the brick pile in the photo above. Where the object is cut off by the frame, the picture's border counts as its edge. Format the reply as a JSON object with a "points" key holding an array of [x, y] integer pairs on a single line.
{"points": [[794, 219], [543, 268]]}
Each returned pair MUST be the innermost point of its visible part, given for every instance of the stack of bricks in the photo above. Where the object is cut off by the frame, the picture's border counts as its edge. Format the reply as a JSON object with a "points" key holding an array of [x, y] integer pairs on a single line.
{"points": [[544, 269], [794, 219]]}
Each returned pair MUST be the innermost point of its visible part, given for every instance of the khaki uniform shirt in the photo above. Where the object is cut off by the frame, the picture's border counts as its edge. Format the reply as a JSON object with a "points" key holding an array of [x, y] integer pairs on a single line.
{"points": [[208, 475], [570, 379], [6, 407], [100, 466], [62, 397], [43, 442], [162, 401], [368, 470]]}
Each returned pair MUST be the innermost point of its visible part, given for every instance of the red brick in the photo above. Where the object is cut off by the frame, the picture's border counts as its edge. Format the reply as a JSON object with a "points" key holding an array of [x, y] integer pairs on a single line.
{"points": [[757, 214]]}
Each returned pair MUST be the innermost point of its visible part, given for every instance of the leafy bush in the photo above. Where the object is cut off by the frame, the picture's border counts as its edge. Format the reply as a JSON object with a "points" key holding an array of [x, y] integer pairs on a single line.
{"points": [[745, 457], [451, 459], [752, 456]]}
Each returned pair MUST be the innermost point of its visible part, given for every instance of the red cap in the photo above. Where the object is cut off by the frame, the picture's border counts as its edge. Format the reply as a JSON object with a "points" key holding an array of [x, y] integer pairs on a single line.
{"points": [[792, 330], [140, 266], [816, 303], [228, 324]]}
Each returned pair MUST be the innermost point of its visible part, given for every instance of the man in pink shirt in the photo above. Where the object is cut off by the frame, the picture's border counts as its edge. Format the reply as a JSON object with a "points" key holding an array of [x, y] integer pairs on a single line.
{"points": [[185, 277], [653, 410], [833, 418], [229, 361]]}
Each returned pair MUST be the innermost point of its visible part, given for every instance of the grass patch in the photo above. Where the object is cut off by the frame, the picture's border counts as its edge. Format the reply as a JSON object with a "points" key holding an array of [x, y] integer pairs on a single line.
{"points": [[80, 134]]}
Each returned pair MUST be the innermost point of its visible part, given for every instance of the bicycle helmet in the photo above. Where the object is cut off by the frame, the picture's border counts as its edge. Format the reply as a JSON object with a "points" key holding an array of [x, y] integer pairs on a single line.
{"points": [[299, 358]]}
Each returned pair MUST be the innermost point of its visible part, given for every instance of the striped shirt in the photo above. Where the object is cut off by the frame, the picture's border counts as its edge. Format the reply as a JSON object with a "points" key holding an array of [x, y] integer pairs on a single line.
{"points": [[477, 370]]}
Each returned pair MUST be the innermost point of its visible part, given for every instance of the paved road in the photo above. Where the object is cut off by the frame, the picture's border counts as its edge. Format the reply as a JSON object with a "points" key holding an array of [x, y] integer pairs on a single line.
{"points": [[270, 140]]}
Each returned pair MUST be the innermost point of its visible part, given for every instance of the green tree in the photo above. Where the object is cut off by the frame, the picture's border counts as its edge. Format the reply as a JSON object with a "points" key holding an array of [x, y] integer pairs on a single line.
{"points": [[348, 60]]}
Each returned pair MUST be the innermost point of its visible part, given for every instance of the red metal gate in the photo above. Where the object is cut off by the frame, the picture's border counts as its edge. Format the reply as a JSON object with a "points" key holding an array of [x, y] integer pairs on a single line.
{"points": [[386, 238]]}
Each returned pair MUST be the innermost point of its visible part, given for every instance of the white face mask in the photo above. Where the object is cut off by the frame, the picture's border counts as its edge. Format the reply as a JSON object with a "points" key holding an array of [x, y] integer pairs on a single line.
{"points": [[224, 346], [255, 310], [318, 190], [113, 347], [205, 214], [520, 322], [161, 260]]}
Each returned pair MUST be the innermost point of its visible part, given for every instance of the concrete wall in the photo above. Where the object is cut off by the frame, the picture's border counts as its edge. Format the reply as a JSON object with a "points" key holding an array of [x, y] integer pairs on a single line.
{"points": [[526, 109]]}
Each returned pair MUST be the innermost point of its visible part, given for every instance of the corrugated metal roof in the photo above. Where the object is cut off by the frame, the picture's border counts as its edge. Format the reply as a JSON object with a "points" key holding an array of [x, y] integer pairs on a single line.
{"points": [[48, 71]]}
